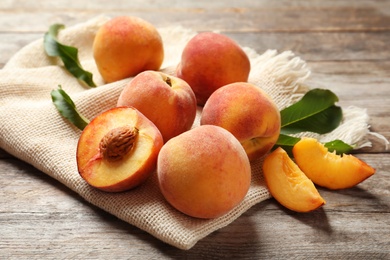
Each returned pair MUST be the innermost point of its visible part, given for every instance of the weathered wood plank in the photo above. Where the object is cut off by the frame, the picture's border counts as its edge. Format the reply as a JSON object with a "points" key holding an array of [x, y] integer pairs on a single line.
{"points": [[328, 46], [309, 46], [346, 46], [263, 16], [49, 220]]}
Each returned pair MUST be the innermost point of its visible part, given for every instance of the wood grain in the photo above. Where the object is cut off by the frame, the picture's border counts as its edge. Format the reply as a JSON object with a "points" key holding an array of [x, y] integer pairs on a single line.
{"points": [[345, 44], [51, 220]]}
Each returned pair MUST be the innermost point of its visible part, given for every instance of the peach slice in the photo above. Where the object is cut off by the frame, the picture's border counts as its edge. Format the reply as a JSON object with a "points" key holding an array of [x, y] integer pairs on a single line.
{"points": [[328, 169], [288, 184], [118, 149]]}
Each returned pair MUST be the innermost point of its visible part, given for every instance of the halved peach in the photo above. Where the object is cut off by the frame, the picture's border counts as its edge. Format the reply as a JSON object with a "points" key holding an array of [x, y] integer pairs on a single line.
{"points": [[328, 169], [118, 149], [288, 184]]}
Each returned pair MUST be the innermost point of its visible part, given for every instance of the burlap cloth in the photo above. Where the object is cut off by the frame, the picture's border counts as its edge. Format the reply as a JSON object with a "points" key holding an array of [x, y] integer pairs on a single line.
{"points": [[32, 129]]}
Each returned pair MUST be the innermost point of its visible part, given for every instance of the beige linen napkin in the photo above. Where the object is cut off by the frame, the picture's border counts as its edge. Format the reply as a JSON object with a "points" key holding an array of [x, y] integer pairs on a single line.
{"points": [[32, 129]]}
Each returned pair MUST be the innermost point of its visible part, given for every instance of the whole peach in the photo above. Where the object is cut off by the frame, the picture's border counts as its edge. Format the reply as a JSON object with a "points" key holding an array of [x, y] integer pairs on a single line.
{"points": [[167, 101], [248, 113], [204, 172], [210, 61], [125, 46]]}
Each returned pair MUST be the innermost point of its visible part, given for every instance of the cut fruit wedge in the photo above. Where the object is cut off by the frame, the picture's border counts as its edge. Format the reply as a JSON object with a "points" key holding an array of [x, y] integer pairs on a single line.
{"points": [[288, 184], [328, 169], [118, 150]]}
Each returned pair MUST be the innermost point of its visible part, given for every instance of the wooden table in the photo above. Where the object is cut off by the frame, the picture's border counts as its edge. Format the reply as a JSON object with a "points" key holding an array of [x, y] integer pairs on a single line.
{"points": [[346, 45]]}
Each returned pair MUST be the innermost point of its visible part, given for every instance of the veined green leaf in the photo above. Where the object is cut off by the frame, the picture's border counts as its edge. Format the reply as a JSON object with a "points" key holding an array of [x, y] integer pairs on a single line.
{"points": [[323, 122], [67, 108], [68, 55], [315, 112]]}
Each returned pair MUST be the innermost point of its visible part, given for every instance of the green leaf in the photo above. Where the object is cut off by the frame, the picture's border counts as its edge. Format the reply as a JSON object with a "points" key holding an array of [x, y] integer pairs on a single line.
{"points": [[315, 112], [339, 146], [323, 122], [67, 108], [68, 55]]}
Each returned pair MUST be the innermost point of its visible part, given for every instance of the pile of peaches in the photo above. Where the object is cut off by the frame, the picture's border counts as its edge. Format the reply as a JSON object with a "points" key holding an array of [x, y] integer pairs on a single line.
{"points": [[202, 171]]}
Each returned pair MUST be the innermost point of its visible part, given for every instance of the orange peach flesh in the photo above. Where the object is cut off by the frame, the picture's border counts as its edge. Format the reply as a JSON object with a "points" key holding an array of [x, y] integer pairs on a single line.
{"points": [[288, 184], [131, 170], [328, 169]]}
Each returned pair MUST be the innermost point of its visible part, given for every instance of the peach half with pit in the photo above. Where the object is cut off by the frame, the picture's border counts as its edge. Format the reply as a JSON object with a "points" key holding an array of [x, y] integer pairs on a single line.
{"points": [[288, 184], [211, 60], [246, 111], [167, 101], [204, 172], [118, 150], [125, 46], [327, 169]]}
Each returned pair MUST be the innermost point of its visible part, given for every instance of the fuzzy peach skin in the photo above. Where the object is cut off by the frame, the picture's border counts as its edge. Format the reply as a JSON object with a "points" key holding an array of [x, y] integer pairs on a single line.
{"points": [[167, 101], [288, 184], [204, 172], [125, 46], [327, 169], [211, 60], [248, 113], [135, 166]]}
